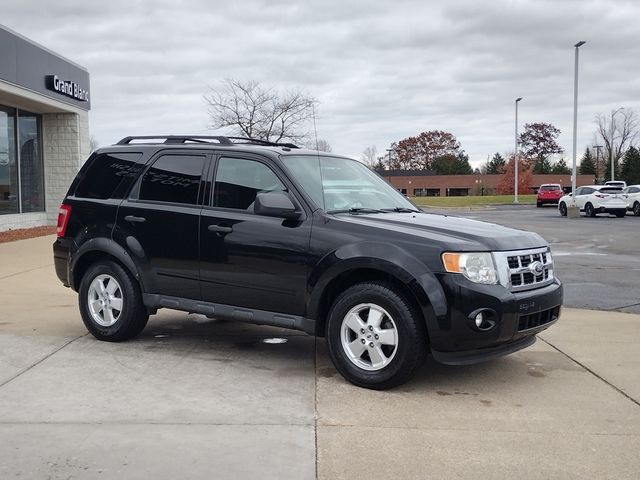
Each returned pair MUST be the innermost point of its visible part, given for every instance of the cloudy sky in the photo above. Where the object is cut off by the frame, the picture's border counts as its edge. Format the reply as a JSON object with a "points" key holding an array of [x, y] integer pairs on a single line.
{"points": [[382, 70]]}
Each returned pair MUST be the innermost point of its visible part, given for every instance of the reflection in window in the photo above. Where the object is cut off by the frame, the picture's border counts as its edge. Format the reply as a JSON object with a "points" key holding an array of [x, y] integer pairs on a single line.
{"points": [[8, 162], [238, 182], [173, 178], [106, 174], [31, 166]]}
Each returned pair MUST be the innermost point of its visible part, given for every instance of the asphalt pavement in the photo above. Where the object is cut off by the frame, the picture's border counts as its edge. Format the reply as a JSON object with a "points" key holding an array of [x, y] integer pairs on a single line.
{"points": [[198, 398], [597, 259]]}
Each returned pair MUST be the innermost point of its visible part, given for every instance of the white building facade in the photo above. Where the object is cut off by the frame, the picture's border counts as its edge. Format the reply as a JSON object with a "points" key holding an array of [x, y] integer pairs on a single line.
{"points": [[44, 130]]}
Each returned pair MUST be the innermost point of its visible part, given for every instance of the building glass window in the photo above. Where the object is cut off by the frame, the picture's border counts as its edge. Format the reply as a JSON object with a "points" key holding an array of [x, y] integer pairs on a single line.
{"points": [[21, 166]]}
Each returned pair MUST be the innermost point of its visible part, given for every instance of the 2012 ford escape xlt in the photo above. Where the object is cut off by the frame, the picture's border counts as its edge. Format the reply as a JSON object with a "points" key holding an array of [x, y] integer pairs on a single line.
{"points": [[272, 234]]}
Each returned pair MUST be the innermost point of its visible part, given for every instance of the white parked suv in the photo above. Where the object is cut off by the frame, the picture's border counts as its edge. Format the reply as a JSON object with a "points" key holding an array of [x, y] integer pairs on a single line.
{"points": [[594, 199], [633, 199]]}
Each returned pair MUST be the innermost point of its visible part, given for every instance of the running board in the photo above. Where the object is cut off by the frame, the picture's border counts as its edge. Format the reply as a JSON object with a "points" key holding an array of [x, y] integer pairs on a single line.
{"points": [[229, 312]]}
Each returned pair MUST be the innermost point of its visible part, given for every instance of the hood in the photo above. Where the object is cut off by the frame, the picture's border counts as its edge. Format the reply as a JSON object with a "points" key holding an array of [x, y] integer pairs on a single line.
{"points": [[452, 233]]}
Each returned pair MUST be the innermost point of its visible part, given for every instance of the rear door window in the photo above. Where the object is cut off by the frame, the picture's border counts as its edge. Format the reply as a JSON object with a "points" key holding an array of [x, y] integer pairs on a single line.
{"points": [[173, 179], [108, 174]]}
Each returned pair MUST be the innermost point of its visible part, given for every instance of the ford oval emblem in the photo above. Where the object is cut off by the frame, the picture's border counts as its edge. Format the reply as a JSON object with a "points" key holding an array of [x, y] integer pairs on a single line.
{"points": [[537, 268]]}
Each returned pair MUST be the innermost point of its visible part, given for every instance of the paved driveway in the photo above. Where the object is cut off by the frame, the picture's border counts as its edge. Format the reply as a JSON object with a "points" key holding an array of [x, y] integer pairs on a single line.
{"points": [[195, 398]]}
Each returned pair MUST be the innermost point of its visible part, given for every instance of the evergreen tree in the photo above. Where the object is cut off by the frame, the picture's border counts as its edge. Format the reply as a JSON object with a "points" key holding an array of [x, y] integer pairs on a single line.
{"points": [[631, 166], [560, 168], [496, 165], [587, 164], [540, 166], [452, 164]]}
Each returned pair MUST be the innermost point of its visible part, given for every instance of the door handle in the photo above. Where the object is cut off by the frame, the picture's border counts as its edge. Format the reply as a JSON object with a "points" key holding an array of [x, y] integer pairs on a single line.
{"points": [[134, 219], [219, 229]]}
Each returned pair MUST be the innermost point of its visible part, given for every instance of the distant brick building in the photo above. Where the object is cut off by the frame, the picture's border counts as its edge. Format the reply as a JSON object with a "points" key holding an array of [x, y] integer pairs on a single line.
{"points": [[419, 183]]}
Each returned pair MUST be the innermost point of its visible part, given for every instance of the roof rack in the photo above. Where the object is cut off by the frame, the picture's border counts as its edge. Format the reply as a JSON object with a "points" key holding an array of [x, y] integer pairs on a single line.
{"points": [[220, 140]]}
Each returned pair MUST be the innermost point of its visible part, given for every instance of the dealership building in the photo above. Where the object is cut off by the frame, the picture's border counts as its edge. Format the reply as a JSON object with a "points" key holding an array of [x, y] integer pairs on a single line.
{"points": [[44, 130]]}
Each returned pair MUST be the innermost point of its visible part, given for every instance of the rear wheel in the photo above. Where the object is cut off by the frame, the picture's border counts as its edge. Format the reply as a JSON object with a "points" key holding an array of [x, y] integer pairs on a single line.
{"points": [[621, 213], [636, 209], [562, 208], [539, 204], [589, 210], [376, 338], [111, 303]]}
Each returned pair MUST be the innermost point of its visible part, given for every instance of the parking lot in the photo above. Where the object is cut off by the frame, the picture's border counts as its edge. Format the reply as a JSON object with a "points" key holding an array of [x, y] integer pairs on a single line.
{"points": [[199, 398]]}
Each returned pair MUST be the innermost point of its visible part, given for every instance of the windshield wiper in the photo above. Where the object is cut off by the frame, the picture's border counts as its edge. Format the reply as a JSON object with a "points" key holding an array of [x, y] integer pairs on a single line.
{"points": [[401, 210], [356, 210]]}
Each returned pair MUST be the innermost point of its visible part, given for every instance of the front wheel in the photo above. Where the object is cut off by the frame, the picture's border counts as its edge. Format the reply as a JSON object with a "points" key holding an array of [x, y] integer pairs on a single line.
{"points": [[376, 338], [562, 208], [111, 303], [636, 209]]}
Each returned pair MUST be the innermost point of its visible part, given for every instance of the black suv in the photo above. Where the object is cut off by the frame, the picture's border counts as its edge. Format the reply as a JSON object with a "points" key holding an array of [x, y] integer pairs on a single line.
{"points": [[272, 234]]}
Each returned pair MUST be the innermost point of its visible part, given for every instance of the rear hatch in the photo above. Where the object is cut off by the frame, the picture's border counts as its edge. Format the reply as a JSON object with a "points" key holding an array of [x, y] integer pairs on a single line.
{"points": [[612, 198]]}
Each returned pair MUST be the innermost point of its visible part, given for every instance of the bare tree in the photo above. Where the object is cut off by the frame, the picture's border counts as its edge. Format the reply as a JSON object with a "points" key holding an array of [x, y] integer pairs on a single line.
{"points": [[370, 156], [322, 145], [93, 143], [616, 132], [255, 111]]}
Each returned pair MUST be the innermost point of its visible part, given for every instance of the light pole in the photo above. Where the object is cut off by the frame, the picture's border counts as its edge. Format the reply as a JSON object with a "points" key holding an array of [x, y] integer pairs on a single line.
{"points": [[575, 121], [612, 129], [515, 159]]}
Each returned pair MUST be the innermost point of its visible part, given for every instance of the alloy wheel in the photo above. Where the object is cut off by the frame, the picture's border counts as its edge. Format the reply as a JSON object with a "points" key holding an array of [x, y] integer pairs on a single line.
{"points": [[105, 300], [369, 336]]}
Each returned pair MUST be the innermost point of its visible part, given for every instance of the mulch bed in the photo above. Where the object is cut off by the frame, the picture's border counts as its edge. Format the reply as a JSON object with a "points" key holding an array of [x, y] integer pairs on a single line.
{"points": [[23, 233]]}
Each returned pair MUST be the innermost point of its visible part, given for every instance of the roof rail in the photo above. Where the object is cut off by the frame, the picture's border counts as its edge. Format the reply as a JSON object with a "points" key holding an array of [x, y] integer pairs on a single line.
{"points": [[221, 140], [176, 139]]}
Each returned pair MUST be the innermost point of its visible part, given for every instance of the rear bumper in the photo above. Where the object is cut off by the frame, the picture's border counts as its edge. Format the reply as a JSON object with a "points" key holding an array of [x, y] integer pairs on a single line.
{"points": [[619, 208], [62, 250]]}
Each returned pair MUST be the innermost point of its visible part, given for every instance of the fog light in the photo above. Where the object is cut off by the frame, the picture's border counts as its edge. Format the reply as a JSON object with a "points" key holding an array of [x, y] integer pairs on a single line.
{"points": [[483, 319]]}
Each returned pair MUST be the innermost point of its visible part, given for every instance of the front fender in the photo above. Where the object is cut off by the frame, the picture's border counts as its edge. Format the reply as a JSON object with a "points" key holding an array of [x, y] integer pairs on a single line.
{"points": [[386, 258]]}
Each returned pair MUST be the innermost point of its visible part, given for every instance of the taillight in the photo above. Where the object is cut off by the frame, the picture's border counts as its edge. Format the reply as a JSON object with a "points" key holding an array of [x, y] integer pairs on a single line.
{"points": [[63, 219], [599, 195]]}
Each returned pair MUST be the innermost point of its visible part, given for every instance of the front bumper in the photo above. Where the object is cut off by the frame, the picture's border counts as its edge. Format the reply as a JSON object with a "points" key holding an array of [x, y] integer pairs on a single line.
{"points": [[519, 316]]}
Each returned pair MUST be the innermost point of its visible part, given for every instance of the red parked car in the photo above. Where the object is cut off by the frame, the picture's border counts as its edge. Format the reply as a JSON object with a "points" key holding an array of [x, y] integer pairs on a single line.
{"points": [[549, 193]]}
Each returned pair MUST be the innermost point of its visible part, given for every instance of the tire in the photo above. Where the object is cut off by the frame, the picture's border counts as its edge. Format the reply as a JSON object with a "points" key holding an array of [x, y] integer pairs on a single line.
{"points": [[589, 211], [562, 208], [539, 204], [636, 209], [119, 290], [621, 213], [396, 359]]}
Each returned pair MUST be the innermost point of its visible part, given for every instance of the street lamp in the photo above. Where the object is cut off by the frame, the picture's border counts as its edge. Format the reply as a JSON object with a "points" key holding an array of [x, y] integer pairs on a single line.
{"points": [[575, 121], [515, 159], [613, 132]]}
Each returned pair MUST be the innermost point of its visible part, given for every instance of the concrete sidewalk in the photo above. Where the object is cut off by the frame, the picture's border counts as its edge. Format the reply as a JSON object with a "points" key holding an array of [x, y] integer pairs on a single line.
{"points": [[196, 398]]}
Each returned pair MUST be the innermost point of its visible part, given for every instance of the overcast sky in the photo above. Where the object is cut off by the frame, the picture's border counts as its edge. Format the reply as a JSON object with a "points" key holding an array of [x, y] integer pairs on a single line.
{"points": [[382, 70]]}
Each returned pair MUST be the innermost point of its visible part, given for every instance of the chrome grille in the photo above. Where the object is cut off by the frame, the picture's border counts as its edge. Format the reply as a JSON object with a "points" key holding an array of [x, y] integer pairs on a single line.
{"points": [[525, 269]]}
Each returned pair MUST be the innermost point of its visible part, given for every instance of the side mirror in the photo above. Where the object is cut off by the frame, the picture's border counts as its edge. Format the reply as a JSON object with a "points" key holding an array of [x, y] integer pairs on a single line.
{"points": [[275, 204]]}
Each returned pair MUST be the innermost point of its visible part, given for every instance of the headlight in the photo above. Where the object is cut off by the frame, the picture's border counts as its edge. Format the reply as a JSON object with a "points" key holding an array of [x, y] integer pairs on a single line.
{"points": [[476, 266]]}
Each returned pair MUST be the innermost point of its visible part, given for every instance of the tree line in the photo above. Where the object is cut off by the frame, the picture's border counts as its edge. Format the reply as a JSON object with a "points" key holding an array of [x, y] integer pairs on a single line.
{"points": [[248, 108]]}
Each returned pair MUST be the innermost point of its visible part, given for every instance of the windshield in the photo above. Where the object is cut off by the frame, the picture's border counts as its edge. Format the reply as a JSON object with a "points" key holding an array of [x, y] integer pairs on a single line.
{"points": [[343, 185]]}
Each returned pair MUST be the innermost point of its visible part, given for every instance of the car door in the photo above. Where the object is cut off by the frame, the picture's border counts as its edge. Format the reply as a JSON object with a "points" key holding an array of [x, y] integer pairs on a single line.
{"points": [[250, 260], [581, 197], [158, 223]]}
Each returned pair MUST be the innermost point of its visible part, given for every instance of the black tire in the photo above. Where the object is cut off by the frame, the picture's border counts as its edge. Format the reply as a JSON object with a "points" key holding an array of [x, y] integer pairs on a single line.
{"points": [[636, 209], [562, 208], [589, 211], [410, 349], [539, 204], [131, 319], [621, 213]]}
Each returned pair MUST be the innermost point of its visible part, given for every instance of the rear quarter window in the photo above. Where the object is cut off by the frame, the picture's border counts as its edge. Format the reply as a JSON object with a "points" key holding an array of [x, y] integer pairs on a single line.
{"points": [[108, 174]]}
